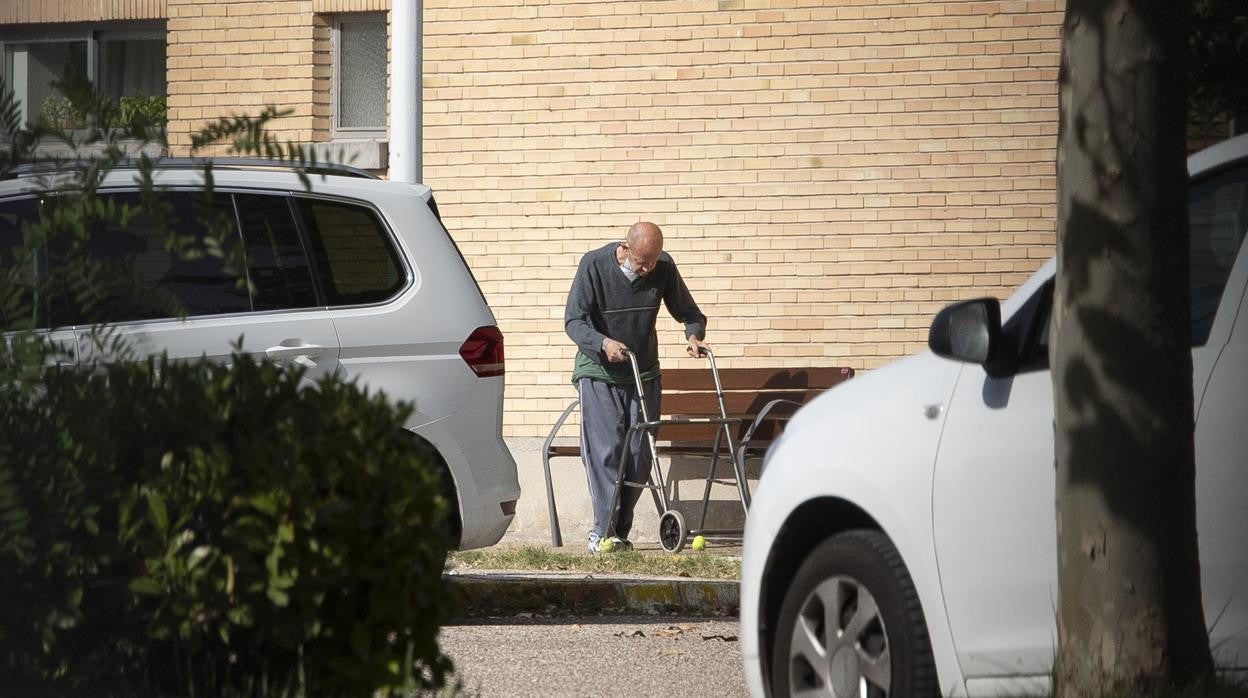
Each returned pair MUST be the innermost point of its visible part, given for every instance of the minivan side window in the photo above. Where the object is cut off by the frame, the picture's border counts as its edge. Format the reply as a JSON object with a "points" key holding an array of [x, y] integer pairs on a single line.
{"points": [[276, 262], [356, 259], [18, 268], [136, 276], [1218, 211], [141, 278]]}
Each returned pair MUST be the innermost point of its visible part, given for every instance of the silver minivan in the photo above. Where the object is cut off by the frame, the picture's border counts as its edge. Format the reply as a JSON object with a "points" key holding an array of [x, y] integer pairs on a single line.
{"points": [[350, 275]]}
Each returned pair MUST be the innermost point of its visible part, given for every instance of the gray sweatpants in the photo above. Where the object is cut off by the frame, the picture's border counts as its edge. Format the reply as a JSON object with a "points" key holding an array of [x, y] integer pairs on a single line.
{"points": [[607, 413]]}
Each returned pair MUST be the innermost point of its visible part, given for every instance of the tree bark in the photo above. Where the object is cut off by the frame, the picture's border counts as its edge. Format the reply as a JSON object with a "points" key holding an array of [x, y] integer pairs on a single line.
{"points": [[1130, 612]]}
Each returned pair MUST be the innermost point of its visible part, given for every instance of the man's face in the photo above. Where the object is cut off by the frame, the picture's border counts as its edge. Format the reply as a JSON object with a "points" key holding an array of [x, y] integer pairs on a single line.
{"points": [[642, 257]]}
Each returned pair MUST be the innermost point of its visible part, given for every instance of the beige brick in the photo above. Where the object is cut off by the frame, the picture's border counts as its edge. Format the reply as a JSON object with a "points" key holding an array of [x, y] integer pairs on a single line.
{"points": [[828, 174]]}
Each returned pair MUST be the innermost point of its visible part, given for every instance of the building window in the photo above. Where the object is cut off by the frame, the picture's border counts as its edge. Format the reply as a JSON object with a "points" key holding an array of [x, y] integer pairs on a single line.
{"points": [[131, 66], [127, 65], [32, 68], [359, 46]]}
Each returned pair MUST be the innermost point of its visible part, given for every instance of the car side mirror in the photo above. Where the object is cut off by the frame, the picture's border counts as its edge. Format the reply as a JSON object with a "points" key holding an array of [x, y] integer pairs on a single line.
{"points": [[968, 331]]}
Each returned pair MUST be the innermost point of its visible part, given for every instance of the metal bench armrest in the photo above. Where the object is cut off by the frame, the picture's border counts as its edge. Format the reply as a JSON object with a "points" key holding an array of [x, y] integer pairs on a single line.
{"points": [[556, 540], [762, 416]]}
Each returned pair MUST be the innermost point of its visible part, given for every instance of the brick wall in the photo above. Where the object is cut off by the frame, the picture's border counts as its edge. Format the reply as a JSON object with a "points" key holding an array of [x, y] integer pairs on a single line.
{"points": [[235, 57], [232, 57], [828, 175], [41, 11]]}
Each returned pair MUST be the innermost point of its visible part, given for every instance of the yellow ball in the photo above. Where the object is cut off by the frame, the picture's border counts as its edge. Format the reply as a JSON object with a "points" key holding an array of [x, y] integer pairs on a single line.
{"points": [[699, 542], [606, 545]]}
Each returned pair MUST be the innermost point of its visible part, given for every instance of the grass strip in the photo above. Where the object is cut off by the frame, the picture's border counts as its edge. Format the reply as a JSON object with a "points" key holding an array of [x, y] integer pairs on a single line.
{"points": [[699, 565]]}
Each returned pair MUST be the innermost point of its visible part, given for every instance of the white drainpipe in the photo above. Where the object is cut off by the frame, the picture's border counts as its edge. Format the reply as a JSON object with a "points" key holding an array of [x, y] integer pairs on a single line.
{"points": [[405, 95]]}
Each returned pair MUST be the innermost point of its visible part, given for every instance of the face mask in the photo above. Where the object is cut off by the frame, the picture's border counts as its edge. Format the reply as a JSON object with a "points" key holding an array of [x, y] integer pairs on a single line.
{"points": [[627, 268]]}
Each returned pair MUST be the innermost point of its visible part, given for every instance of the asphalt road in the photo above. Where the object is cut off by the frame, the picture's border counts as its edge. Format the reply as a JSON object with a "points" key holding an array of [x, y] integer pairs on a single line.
{"points": [[596, 656]]}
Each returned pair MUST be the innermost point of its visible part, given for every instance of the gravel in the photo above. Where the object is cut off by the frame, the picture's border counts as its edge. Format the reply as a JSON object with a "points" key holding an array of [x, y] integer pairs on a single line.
{"points": [[596, 656]]}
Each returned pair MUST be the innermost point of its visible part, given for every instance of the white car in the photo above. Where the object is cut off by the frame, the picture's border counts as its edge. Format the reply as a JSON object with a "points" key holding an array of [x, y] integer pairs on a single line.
{"points": [[356, 277], [902, 540]]}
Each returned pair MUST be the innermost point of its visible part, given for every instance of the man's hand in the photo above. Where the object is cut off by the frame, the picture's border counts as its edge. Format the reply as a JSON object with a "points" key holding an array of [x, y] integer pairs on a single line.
{"points": [[696, 347], [616, 351]]}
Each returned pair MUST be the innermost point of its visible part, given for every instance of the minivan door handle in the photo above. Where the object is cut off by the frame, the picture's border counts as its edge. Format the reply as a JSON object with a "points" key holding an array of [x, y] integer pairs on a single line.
{"points": [[296, 351]]}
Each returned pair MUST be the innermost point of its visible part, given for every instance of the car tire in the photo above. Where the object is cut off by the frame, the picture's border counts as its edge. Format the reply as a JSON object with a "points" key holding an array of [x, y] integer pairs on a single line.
{"points": [[880, 645]]}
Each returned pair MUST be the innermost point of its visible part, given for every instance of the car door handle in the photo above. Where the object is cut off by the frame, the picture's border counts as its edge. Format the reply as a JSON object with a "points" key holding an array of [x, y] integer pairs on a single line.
{"points": [[296, 351]]}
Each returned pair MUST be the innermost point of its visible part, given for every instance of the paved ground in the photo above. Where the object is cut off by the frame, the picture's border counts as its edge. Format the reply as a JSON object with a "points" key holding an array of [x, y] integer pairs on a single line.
{"points": [[596, 656]]}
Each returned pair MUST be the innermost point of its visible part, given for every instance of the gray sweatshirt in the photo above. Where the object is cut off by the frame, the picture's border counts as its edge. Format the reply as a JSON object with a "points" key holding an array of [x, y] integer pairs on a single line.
{"points": [[603, 303]]}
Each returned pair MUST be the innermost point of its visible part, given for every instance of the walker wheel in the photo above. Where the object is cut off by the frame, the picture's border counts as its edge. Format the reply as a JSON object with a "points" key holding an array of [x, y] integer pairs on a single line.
{"points": [[672, 531]]}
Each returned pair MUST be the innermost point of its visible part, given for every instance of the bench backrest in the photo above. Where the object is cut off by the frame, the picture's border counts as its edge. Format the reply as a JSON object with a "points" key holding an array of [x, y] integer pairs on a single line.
{"points": [[690, 392]]}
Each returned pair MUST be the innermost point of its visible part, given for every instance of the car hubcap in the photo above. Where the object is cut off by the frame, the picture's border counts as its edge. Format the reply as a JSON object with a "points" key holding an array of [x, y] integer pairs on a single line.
{"points": [[839, 646]]}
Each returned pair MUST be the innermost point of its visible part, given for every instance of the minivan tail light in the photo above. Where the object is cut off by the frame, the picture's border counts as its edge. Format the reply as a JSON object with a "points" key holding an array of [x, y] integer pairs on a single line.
{"points": [[483, 351]]}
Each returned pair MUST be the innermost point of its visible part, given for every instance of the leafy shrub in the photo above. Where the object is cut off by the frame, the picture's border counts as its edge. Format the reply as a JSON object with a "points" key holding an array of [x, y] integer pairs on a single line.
{"points": [[196, 529], [148, 110], [189, 528], [59, 112]]}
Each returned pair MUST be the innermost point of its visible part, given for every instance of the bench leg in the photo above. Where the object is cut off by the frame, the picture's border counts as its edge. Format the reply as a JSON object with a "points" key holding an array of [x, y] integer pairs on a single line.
{"points": [[710, 477], [556, 540]]}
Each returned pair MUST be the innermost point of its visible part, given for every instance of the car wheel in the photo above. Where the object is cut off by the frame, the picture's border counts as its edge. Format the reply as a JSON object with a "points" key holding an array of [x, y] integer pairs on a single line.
{"points": [[851, 625]]}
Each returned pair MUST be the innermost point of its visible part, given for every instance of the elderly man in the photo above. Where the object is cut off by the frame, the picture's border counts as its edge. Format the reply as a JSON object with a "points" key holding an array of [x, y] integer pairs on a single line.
{"points": [[611, 310]]}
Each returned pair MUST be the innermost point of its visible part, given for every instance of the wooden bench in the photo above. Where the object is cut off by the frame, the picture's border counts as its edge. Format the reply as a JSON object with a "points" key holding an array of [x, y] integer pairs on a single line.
{"points": [[759, 402]]}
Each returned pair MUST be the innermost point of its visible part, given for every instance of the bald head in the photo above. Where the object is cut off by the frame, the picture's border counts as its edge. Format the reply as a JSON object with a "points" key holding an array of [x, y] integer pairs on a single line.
{"points": [[645, 234], [642, 247]]}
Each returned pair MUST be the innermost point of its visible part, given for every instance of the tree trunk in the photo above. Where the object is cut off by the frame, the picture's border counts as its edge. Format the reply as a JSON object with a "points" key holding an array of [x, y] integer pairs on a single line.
{"points": [[1130, 613]]}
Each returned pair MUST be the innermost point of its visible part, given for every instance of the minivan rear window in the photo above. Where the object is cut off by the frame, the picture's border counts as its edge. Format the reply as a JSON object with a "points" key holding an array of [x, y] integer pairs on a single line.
{"points": [[356, 259]]}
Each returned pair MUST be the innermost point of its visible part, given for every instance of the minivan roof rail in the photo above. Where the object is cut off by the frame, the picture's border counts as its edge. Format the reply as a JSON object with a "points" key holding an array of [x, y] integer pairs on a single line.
{"points": [[51, 166]]}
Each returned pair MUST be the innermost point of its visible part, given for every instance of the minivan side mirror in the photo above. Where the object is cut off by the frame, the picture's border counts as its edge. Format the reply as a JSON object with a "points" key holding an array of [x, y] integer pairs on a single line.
{"points": [[968, 331]]}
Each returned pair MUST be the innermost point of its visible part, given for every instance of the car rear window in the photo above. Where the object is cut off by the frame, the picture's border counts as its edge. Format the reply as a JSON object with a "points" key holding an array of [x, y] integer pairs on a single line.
{"points": [[356, 258]]}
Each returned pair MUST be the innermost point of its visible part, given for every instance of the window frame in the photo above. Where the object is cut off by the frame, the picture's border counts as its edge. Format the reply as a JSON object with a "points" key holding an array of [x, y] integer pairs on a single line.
{"points": [[337, 130]]}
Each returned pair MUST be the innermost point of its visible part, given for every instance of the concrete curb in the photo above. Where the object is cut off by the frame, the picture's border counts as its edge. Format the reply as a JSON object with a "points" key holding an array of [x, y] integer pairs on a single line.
{"points": [[505, 592]]}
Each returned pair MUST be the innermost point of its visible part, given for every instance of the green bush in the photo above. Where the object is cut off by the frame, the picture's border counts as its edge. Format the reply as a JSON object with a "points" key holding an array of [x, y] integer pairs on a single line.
{"points": [[58, 112], [148, 110], [138, 110], [197, 529]]}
